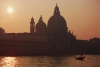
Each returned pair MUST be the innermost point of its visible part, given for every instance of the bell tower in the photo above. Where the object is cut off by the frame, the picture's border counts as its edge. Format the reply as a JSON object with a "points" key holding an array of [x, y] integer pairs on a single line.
{"points": [[32, 25]]}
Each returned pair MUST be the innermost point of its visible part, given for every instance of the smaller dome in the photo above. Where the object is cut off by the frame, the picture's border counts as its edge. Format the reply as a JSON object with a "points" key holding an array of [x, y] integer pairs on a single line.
{"points": [[40, 26], [40, 23]]}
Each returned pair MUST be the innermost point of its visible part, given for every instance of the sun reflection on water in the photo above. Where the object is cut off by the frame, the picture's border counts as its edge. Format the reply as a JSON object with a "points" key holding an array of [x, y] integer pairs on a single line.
{"points": [[9, 62]]}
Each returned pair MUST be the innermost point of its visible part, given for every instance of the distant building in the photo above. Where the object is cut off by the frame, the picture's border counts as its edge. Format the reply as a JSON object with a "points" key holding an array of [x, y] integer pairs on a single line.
{"points": [[2, 31]]}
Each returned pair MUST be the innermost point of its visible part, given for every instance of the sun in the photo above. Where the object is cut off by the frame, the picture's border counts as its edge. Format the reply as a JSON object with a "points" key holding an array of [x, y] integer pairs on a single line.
{"points": [[10, 10]]}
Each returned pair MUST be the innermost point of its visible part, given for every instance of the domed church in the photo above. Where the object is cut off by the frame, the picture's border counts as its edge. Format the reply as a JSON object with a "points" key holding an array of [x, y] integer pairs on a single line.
{"points": [[56, 29], [53, 38]]}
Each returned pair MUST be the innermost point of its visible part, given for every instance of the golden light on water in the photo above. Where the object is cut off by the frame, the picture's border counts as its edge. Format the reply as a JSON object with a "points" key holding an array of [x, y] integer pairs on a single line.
{"points": [[9, 62]]}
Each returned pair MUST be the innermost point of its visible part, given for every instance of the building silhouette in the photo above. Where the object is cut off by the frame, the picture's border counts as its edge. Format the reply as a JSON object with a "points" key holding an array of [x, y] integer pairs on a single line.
{"points": [[53, 38], [56, 30]]}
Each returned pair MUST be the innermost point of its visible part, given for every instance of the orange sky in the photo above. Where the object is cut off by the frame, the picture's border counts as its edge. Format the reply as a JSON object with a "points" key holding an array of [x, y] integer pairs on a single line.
{"points": [[82, 16]]}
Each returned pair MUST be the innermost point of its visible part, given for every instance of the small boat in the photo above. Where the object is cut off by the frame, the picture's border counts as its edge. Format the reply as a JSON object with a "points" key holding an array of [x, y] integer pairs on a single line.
{"points": [[80, 58]]}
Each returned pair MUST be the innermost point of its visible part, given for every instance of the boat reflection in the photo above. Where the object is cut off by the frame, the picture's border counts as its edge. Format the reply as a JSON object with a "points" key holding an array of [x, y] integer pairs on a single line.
{"points": [[9, 62]]}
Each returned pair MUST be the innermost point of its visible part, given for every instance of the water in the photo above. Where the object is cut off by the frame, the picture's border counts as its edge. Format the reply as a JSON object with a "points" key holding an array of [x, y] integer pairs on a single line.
{"points": [[47, 61]]}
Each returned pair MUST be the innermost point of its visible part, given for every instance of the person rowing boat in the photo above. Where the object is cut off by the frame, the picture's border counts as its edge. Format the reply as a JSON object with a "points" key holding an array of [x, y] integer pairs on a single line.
{"points": [[80, 58]]}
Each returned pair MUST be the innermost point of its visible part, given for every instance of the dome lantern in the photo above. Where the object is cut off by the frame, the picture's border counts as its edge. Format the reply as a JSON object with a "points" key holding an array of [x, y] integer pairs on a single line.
{"points": [[56, 10]]}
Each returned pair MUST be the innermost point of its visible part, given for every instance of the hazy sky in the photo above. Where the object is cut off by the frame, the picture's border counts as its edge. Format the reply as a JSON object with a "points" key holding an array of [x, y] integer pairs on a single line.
{"points": [[82, 16]]}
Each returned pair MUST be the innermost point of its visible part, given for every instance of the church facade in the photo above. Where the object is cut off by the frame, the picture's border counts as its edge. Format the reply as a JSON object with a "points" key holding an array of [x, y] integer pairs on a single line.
{"points": [[56, 29], [53, 38]]}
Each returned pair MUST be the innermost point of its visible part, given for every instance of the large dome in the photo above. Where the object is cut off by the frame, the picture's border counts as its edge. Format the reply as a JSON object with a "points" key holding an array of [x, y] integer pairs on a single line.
{"points": [[56, 19]]}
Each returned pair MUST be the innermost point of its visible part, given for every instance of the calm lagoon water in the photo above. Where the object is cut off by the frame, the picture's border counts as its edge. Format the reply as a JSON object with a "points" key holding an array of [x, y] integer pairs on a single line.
{"points": [[48, 61]]}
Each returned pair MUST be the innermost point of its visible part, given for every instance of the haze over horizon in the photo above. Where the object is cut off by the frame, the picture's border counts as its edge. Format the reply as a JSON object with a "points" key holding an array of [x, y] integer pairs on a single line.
{"points": [[82, 16]]}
